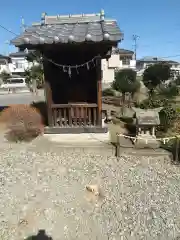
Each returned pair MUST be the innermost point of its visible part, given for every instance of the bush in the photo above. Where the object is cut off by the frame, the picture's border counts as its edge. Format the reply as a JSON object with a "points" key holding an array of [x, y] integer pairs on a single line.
{"points": [[129, 124], [173, 146], [128, 120], [177, 81], [23, 122], [108, 92], [169, 91]]}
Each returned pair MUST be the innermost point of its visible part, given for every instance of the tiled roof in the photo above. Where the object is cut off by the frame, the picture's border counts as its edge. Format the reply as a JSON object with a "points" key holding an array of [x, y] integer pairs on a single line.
{"points": [[147, 117], [156, 59], [4, 57], [18, 54], [71, 28], [122, 51]]}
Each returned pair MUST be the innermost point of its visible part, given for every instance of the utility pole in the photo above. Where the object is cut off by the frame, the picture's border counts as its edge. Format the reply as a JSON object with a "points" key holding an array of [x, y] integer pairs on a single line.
{"points": [[22, 24], [6, 52], [135, 38]]}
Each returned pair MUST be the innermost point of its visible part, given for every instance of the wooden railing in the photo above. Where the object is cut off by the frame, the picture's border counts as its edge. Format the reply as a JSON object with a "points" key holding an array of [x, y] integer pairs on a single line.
{"points": [[74, 115]]}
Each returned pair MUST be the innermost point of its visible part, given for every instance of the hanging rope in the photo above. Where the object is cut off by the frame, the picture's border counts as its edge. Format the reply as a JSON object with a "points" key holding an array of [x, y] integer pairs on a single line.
{"points": [[164, 140], [68, 68], [73, 66]]}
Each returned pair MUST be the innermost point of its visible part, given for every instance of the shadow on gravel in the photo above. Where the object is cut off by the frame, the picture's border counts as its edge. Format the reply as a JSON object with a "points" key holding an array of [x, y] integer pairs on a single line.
{"points": [[40, 236]]}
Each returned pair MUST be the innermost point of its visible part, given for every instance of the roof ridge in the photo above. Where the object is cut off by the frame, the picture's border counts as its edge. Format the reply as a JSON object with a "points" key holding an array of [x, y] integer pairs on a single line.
{"points": [[73, 15]]}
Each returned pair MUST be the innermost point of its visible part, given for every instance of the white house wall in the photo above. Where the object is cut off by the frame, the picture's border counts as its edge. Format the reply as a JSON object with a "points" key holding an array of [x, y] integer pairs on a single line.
{"points": [[19, 65], [113, 61], [108, 68], [132, 64]]}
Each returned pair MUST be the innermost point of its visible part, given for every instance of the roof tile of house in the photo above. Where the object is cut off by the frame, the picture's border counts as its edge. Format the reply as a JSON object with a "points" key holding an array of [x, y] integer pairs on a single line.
{"points": [[18, 54], [122, 51], [71, 28], [156, 59]]}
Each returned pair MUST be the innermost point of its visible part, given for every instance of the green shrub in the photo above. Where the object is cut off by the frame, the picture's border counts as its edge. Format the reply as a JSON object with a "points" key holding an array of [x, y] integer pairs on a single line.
{"points": [[169, 91], [129, 124], [128, 120], [177, 81], [23, 122], [172, 147], [108, 92]]}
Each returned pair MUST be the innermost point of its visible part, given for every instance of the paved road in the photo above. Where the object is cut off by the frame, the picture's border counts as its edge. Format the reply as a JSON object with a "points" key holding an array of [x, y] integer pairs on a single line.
{"points": [[20, 98]]}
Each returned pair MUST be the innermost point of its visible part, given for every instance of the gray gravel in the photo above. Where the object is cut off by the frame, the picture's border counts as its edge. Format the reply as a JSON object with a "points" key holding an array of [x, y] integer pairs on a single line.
{"points": [[42, 186]]}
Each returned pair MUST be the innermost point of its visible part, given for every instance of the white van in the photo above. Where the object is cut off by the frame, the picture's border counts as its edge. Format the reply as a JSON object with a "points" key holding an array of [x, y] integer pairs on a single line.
{"points": [[15, 84]]}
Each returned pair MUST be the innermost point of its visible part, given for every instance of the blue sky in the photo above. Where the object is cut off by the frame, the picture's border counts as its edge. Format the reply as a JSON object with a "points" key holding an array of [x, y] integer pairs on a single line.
{"points": [[156, 22]]}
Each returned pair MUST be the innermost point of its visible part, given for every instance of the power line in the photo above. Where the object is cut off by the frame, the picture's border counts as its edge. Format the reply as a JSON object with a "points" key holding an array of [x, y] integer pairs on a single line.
{"points": [[8, 30]]}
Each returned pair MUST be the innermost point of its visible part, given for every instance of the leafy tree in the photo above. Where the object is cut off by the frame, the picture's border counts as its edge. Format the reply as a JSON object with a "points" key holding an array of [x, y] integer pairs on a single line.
{"points": [[156, 74], [4, 76], [35, 73], [34, 56], [126, 82]]}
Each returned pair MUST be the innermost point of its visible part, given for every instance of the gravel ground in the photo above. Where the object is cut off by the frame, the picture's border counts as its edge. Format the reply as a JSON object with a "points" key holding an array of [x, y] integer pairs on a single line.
{"points": [[42, 186]]}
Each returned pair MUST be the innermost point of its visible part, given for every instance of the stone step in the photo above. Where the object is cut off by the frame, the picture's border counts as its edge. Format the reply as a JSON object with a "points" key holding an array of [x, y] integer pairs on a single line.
{"points": [[98, 146], [143, 152]]}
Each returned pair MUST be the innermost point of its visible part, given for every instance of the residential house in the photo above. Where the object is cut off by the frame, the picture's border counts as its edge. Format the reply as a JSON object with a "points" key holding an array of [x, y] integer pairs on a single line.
{"points": [[4, 64], [19, 64], [120, 59], [145, 62]]}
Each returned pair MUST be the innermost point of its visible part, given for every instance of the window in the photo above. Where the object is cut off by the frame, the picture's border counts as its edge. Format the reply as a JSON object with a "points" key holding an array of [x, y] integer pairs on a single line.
{"points": [[125, 60], [19, 65], [15, 80]]}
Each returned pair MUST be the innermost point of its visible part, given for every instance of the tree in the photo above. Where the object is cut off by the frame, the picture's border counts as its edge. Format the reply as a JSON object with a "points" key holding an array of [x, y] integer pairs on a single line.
{"points": [[34, 56], [35, 73], [4, 76], [156, 74], [126, 82]]}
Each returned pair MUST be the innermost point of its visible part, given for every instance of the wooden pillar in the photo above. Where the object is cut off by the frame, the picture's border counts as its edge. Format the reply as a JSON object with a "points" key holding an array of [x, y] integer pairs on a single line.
{"points": [[48, 94], [99, 91], [153, 131]]}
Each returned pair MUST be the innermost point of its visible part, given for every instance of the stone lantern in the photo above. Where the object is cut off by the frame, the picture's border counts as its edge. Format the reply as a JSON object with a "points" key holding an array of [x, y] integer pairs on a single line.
{"points": [[146, 123]]}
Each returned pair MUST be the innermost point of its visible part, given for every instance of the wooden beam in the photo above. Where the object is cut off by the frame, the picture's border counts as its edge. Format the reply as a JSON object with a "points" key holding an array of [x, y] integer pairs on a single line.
{"points": [[75, 130], [48, 93], [99, 90]]}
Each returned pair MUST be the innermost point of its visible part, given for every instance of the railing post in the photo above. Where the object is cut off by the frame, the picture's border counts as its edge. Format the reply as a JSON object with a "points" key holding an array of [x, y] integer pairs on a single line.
{"points": [[177, 150]]}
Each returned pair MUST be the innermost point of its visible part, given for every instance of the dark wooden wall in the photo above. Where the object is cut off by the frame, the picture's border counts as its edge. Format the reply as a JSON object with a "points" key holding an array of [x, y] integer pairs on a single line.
{"points": [[81, 85]]}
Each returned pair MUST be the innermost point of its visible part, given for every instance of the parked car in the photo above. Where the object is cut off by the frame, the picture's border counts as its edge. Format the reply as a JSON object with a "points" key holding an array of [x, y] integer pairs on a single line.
{"points": [[15, 84]]}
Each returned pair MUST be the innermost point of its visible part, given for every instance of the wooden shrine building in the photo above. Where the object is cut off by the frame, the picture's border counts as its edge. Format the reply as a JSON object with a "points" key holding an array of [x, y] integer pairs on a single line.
{"points": [[72, 47]]}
